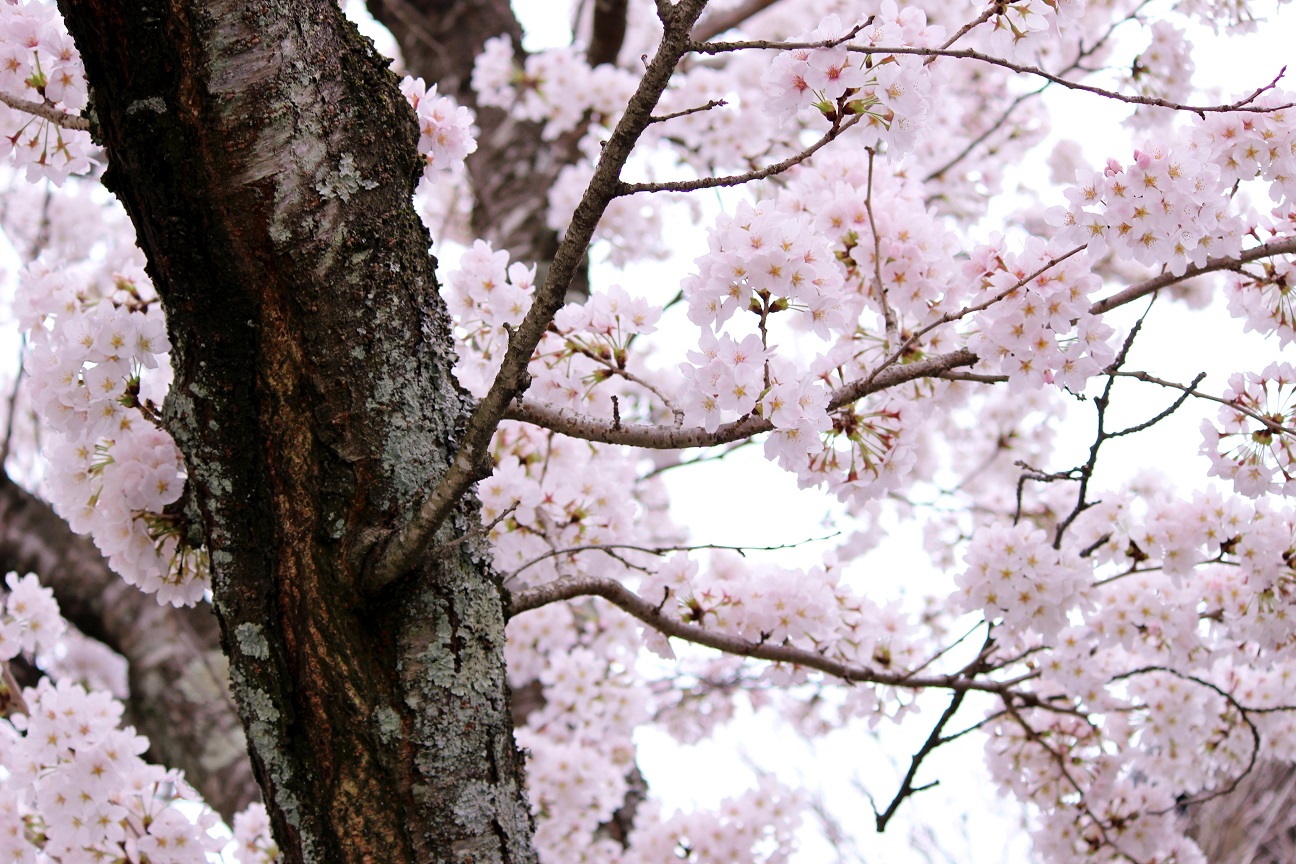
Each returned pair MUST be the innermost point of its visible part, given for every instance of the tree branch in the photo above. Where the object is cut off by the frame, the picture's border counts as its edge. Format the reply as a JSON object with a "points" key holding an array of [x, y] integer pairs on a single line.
{"points": [[1284, 246], [748, 177], [47, 112], [472, 461], [576, 425], [609, 31], [717, 23], [1243, 105], [1191, 390], [662, 550], [934, 740], [571, 587]]}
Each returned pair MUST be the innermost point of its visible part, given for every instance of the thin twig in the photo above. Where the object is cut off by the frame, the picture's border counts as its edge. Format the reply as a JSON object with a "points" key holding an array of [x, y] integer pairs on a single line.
{"points": [[1085, 471], [663, 550], [614, 369], [888, 315], [934, 740], [13, 405], [1148, 424], [1190, 390], [481, 531], [985, 16], [750, 176], [697, 109], [697, 460], [1242, 105]]}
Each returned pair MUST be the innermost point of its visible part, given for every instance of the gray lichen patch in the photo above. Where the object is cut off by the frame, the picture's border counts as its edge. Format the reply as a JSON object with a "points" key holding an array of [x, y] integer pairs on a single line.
{"points": [[389, 724], [345, 182], [251, 641], [153, 103], [475, 804], [260, 705]]}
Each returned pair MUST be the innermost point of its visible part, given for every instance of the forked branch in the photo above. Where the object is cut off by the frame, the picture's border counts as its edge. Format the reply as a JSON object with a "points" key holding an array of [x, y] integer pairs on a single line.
{"points": [[402, 550], [589, 428]]}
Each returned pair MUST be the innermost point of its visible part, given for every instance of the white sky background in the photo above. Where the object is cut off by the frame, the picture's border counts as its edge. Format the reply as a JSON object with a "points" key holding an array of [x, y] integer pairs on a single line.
{"points": [[730, 503]]}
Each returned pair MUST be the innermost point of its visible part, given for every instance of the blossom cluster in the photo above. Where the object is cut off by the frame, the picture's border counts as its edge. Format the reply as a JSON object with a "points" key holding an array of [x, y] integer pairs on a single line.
{"points": [[1014, 575], [556, 86], [582, 746], [889, 90], [765, 260], [1266, 300], [486, 295], [1246, 597], [812, 609], [562, 496], [97, 372], [1100, 814], [72, 784], [30, 622], [1254, 444], [1165, 68], [254, 844], [39, 64], [1020, 28], [757, 826], [1166, 206], [1174, 647], [587, 345], [1253, 145], [1037, 327], [445, 128]]}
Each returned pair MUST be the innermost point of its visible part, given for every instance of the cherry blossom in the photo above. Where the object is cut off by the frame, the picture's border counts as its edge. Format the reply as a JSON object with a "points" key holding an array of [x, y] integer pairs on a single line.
{"points": [[1250, 446], [74, 785], [445, 129], [856, 318], [39, 63]]}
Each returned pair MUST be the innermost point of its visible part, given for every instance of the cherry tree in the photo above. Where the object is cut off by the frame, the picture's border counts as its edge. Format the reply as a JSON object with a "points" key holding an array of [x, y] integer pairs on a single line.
{"points": [[368, 527]]}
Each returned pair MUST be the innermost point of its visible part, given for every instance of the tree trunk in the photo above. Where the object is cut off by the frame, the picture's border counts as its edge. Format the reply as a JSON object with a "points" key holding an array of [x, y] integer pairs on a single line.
{"points": [[267, 160]]}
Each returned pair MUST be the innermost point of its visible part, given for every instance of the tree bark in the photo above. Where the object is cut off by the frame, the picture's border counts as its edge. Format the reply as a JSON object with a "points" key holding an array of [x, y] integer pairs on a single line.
{"points": [[267, 161]]}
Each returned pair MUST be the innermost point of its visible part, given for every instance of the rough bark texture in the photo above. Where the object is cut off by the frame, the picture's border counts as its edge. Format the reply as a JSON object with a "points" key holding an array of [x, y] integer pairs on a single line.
{"points": [[179, 684], [267, 160], [1254, 824]]}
